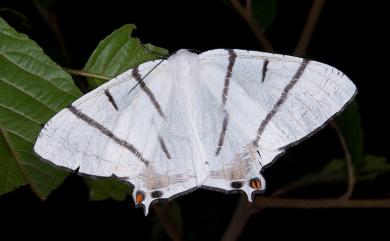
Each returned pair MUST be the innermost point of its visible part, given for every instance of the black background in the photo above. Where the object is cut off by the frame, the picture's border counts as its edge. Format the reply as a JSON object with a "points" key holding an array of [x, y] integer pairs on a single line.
{"points": [[351, 36]]}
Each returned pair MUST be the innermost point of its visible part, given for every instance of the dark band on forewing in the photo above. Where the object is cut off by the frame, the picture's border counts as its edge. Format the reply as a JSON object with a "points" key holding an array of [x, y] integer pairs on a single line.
{"points": [[265, 68], [232, 60], [108, 133], [110, 98], [222, 135], [164, 147], [135, 73], [225, 92], [281, 100]]}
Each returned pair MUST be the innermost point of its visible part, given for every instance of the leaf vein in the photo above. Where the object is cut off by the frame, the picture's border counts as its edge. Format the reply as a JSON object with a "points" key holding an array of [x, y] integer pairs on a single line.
{"points": [[19, 113], [28, 94], [19, 163], [39, 77]]}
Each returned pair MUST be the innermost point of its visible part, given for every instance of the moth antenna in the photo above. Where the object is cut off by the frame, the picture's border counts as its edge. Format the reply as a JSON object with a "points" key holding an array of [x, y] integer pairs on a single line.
{"points": [[146, 75]]}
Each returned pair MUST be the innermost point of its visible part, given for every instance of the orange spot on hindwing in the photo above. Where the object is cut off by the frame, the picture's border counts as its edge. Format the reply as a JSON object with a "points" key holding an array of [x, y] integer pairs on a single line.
{"points": [[139, 197], [255, 183]]}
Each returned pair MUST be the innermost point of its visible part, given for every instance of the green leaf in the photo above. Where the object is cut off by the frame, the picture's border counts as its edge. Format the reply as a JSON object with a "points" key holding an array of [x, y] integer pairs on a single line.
{"points": [[32, 89], [264, 12], [336, 171], [333, 172], [374, 166], [115, 54], [104, 188], [350, 125], [119, 52]]}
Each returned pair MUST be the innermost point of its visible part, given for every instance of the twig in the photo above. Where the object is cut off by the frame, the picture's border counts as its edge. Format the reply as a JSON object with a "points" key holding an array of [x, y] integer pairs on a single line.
{"points": [[240, 217], [244, 211], [86, 74], [167, 224], [310, 25], [348, 159], [280, 192], [273, 202], [52, 22], [248, 7], [256, 28]]}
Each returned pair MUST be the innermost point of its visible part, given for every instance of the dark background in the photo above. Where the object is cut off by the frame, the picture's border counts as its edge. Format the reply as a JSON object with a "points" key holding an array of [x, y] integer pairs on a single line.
{"points": [[350, 35]]}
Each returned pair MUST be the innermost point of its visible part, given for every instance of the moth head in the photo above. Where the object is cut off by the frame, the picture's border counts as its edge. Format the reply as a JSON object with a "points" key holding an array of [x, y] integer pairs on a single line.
{"points": [[183, 61]]}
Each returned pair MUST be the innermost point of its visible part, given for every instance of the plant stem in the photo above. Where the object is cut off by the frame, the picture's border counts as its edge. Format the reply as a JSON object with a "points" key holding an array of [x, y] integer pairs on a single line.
{"points": [[256, 28], [238, 221], [86, 74], [52, 22], [274, 202], [167, 224], [308, 30], [348, 159]]}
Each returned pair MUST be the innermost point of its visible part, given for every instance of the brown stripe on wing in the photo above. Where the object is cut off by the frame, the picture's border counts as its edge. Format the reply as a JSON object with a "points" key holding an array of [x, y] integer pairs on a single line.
{"points": [[164, 147], [264, 71], [108, 133], [225, 92], [111, 99], [135, 73], [222, 135], [280, 101], [232, 60]]}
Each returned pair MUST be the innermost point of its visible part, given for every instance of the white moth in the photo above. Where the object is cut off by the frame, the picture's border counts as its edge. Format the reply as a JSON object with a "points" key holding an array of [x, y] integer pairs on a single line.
{"points": [[212, 120]]}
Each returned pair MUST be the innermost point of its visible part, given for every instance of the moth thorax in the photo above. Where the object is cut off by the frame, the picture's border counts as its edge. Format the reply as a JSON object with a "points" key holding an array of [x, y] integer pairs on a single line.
{"points": [[183, 63]]}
